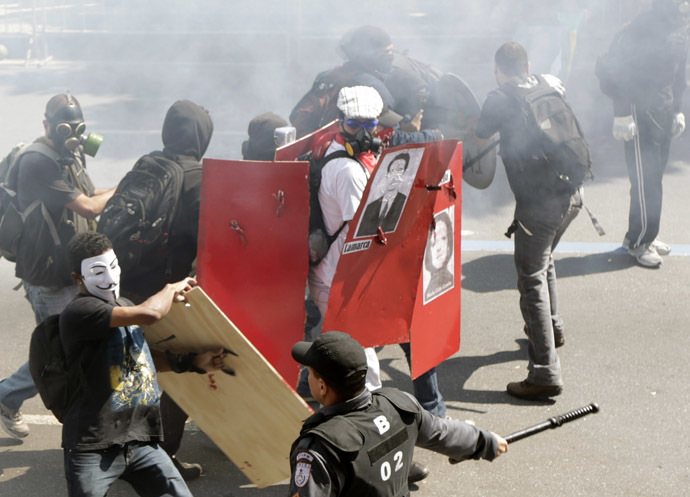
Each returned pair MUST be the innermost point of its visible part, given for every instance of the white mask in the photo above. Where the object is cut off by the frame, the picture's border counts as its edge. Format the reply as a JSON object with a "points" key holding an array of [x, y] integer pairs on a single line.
{"points": [[102, 275]]}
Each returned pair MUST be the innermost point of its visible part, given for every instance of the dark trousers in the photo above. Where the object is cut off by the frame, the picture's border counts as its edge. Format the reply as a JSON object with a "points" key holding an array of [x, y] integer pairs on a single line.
{"points": [[646, 156], [539, 229], [173, 419], [143, 465]]}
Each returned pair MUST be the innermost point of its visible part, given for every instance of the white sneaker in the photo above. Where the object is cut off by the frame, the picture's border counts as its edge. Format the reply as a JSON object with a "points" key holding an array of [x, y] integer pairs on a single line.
{"points": [[646, 255], [660, 247], [13, 422]]}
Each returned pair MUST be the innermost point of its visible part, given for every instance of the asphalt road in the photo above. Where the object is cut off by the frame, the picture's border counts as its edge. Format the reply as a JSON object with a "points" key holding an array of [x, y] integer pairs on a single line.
{"points": [[626, 348]]}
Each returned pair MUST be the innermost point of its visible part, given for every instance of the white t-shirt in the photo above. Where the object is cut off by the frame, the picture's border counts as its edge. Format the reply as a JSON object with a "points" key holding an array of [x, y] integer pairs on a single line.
{"points": [[342, 184]]}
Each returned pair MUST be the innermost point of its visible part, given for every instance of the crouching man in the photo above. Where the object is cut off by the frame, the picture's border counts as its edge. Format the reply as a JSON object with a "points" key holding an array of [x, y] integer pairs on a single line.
{"points": [[113, 426], [361, 442]]}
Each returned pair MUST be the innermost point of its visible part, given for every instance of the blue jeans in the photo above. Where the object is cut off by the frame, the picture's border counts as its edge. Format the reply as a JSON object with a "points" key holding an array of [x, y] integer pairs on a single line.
{"points": [[15, 389], [540, 228], [426, 388], [143, 465]]}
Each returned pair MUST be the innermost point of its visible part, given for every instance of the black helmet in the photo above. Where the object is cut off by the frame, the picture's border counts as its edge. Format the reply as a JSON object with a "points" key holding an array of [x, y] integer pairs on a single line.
{"points": [[365, 45]]}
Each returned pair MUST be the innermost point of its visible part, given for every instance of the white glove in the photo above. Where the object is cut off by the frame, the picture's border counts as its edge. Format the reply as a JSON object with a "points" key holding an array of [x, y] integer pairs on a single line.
{"points": [[624, 128], [678, 125]]}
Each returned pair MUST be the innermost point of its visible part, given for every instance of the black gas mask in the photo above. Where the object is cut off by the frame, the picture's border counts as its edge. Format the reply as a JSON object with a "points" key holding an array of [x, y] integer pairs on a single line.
{"points": [[67, 130], [362, 141]]}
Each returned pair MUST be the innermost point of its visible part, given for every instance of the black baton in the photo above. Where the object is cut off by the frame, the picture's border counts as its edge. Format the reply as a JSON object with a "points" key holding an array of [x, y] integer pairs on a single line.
{"points": [[480, 155], [554, 422]]}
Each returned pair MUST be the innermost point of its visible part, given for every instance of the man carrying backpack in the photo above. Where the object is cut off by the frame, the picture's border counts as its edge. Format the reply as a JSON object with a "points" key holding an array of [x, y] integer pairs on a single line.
{"points": [[112, 427], [59, 200], [546, 203], [171, 211], [644, 74]]}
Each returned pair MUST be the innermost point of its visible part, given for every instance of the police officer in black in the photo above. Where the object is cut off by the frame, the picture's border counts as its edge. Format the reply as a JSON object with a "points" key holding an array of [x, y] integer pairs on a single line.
{"points": [[361, 442]]}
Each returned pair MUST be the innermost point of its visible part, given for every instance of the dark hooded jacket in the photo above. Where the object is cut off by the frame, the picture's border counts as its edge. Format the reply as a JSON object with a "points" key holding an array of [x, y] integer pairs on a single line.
{"points": [[187, 131]]}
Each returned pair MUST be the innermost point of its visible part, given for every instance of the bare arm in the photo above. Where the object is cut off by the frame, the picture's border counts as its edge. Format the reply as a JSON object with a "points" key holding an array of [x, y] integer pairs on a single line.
{"points": [[152, 309], [90, 207]]}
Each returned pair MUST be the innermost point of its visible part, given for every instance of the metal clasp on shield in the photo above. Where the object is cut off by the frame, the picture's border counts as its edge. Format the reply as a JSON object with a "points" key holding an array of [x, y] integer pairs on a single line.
{"points": [[449, 186], [280, 198], [381, 236], [238, 229]]}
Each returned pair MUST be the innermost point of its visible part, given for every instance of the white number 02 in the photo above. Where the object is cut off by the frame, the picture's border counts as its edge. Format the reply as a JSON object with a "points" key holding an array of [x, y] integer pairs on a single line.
{"points": [[386, 466]]}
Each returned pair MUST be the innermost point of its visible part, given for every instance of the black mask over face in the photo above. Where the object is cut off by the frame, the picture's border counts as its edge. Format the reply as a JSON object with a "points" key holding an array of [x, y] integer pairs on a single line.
{"points": [[67, 127], [361, 142]]}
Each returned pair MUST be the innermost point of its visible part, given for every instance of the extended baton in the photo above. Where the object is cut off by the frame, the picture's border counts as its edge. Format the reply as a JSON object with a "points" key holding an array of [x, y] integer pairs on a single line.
{"points": [[550, 423], [480, 155], [554, 422]]}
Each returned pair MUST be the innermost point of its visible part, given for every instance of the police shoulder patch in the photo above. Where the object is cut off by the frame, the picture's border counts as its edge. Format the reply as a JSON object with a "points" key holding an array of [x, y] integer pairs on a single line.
{"points": [[302, 473], [304, 455]]}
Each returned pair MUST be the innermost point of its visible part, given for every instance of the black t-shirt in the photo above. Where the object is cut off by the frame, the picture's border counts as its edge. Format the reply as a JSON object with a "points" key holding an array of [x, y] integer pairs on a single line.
{"points": [[118, 394]]}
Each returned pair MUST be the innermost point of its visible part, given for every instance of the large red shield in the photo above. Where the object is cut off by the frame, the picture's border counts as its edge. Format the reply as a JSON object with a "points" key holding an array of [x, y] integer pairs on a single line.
{"points": [[252, 253], [383, 291]]}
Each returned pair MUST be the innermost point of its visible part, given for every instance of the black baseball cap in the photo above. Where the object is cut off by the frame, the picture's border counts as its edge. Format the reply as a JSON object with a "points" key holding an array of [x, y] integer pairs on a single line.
{"points": [[335, 355]]}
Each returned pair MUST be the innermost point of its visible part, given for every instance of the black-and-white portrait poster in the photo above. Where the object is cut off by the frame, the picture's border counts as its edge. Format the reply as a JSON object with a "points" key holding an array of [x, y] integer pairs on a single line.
{"points": [[438, 272], [390, 189]]}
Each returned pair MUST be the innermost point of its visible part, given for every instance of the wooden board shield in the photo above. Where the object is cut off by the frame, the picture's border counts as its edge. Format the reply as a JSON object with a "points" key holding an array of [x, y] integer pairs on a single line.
{"points": [[375, 294], [253, 417]]}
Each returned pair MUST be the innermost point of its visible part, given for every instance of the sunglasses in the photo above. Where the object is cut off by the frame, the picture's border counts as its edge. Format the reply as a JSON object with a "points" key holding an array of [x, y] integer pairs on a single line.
{"points": [[356, 124]]}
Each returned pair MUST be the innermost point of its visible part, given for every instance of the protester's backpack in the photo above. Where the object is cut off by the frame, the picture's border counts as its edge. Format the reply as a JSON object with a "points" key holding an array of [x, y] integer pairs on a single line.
{"points": [[138, 217], [553, 131], [319, 239], [12, 218], [318, 106], [48, 366]]}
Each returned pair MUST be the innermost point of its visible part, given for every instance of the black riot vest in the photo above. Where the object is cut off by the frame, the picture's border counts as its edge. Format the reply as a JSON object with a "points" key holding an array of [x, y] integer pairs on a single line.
{"points": [[375, 445]]}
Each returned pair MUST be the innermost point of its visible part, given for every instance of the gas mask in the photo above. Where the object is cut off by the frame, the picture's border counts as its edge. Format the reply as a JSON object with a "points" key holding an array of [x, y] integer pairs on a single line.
{"points": [[361, 142], [71, 135], [101, 275], [67, 129]]}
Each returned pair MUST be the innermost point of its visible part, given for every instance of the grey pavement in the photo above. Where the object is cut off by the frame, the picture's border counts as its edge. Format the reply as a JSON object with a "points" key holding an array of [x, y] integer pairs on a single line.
{"points": [[626, 348]]}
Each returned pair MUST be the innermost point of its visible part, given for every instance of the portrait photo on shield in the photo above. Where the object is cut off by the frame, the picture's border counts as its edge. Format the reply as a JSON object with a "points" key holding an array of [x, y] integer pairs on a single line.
{"points": [[438, 273], [390, 189]]}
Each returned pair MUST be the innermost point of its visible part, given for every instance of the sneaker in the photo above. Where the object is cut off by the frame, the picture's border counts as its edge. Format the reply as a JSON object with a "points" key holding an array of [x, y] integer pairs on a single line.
{"points": [[660, 247], [13, 422], [417, 472], [526, 390], [646, 255], [188, 471]]}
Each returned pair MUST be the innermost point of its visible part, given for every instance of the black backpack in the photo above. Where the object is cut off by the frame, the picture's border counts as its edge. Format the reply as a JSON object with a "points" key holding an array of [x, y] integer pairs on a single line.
{"points": [[553, 131], [48, 366], [138, 218], [318, 106], [12, 218], [319, 239]]}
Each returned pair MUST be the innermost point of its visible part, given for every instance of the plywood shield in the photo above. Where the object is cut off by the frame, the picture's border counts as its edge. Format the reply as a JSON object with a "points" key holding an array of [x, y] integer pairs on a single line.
{"points": [[252, 254], [253, 416], [376, 290]]}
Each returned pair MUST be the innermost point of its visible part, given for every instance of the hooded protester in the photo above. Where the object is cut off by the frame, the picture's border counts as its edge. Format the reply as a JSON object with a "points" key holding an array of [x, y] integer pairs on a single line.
{"points": [[261, 144], [187, 131]]}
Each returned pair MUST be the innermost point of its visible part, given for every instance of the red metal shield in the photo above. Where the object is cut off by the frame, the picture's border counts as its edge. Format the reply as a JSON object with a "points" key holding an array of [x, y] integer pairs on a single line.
{"points": [[378, 293], [252, 253]]}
